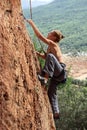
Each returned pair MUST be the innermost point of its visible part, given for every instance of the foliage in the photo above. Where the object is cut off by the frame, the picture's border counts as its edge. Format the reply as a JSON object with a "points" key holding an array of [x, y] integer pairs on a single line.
{"points": [[73, 107], [80, 82], [69, 16]]}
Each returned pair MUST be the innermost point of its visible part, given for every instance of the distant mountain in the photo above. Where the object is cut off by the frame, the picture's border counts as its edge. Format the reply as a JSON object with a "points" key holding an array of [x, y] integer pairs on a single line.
{"points": [[69, 16], [25, 3]]}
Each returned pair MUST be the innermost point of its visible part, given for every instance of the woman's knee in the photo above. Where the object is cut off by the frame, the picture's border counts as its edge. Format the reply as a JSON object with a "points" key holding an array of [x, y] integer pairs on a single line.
{"points": [[50, 55]]}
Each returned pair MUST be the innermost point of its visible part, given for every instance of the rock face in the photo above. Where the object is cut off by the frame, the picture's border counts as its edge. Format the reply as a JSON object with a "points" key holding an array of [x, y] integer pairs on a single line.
{"points": [[24, 104]]}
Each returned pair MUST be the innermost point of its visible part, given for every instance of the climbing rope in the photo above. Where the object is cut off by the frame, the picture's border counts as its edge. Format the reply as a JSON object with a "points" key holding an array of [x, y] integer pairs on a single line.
{"points": [[30, 10], [30, 4], [31, 18]]}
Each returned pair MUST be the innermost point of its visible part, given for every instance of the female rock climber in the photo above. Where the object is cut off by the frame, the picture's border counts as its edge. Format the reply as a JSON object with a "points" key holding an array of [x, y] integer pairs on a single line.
{"points": [[54, 67]]}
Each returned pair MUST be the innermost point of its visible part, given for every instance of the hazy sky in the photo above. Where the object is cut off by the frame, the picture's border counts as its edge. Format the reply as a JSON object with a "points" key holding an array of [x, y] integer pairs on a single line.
{"points": [[25, 3]]}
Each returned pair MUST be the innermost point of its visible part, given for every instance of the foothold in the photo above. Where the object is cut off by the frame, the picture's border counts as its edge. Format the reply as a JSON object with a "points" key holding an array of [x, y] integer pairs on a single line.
{"points": [[5, 95], [19, 28], [8, 11]]}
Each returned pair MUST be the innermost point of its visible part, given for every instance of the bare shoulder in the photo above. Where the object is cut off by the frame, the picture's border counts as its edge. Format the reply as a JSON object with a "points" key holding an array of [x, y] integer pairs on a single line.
{"points": [[51, 43], [47, 41]]}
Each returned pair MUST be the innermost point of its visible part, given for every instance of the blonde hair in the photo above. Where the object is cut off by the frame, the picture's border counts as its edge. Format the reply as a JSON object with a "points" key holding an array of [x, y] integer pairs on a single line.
{"points": [[58, 35]]}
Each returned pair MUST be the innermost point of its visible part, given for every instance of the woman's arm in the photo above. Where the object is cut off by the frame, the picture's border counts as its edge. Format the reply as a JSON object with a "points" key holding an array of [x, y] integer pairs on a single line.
{"points": [[41, 55], [39, 34]]}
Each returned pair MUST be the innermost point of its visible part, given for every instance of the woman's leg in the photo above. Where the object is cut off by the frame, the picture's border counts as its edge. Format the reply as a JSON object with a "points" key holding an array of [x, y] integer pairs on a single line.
{"points": [[52, 94], [52, 66]]}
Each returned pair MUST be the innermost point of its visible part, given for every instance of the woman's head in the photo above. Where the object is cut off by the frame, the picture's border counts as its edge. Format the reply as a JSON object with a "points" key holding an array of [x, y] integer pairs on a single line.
{"points": [[55, 35]]}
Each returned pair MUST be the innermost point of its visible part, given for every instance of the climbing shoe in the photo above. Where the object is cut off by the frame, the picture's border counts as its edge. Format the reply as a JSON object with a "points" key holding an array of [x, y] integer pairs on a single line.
{"points": [[42, 80], [56, 116]]}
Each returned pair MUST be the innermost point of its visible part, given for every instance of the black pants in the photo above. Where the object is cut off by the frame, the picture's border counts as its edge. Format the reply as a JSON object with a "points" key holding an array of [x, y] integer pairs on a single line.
{"points": [[53, 68]]}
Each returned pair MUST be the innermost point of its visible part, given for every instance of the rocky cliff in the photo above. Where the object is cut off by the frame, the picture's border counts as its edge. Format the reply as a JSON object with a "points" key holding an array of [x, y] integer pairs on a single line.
{"points": [[24, 104]]}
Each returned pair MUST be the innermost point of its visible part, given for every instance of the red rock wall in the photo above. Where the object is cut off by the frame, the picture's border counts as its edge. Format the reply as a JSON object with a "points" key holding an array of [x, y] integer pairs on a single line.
{"points": [[24, 103]]}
